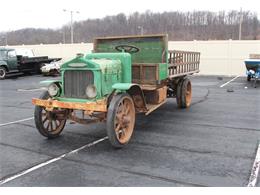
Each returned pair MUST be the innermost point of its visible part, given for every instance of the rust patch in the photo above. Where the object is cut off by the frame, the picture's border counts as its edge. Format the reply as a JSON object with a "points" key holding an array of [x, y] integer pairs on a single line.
{"points": [[99, 106]]}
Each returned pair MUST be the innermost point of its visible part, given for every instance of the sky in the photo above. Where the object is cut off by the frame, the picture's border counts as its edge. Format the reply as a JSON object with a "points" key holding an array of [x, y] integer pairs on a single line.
{"points": [[18, 14]]}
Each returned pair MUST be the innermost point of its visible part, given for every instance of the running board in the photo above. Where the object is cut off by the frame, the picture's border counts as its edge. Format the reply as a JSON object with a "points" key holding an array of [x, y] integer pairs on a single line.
{"points": [[152, 107]]}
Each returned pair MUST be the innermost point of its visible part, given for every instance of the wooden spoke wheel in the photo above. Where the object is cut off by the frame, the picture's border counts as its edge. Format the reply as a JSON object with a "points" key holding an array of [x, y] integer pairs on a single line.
{"points": [[49, 123], [120, 120], [184, 93]]}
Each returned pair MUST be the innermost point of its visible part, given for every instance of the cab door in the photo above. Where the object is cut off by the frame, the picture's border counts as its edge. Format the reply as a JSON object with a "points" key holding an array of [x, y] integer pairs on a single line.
{"points": [[12, 60]]}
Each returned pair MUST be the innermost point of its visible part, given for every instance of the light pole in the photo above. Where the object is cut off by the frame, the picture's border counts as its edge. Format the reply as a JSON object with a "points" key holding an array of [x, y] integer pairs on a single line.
{"points": [[240, 24], [71, 23], [142, 29]]}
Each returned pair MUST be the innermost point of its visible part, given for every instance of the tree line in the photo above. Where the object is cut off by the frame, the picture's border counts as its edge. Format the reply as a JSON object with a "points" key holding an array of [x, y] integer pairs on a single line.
{"points": [[180, 26]]}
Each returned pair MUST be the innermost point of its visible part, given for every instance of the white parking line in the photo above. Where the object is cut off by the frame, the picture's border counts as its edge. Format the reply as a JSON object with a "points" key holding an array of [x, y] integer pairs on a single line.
{"points": [[22, 120], [37, 89], [255, 169], [5, 180], [229, 81]]}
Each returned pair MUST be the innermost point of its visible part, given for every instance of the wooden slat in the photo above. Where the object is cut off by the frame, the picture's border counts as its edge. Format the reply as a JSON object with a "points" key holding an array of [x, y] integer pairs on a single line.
{"points": [[183, 62]]}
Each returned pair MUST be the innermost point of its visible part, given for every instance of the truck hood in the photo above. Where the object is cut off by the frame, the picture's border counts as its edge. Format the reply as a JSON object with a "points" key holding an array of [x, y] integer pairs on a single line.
{"points": [[102, 64]]}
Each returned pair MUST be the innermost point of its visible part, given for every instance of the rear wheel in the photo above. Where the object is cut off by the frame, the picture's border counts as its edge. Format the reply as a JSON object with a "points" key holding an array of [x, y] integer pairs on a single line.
{"points": [[49, 123], [2, 72], [184, 93], [120, 120]]}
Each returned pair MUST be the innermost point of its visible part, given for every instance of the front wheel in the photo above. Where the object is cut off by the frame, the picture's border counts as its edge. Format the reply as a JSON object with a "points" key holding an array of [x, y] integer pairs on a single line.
{"points": [[2, 72], [49, 123], [120, 120]]}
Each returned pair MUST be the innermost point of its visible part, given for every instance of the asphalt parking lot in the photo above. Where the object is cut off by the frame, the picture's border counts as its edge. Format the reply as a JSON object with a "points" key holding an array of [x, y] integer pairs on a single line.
{"points": [[213, 143]]}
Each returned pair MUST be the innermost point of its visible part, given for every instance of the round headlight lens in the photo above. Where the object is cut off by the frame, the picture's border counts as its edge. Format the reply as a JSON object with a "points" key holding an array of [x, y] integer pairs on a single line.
{"points": [[53, 89], [91, 91]]}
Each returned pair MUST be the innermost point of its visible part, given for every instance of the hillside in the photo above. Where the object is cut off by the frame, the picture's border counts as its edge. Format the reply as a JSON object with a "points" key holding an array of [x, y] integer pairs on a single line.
{"points": [[184, 26]]}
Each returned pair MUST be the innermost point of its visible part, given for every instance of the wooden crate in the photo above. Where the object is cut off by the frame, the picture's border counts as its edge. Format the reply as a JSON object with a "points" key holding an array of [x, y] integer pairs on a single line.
{"points": [[156, 96]]}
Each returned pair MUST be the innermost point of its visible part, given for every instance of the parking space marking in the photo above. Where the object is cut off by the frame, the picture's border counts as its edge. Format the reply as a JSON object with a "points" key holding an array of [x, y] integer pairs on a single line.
{"points": [[229, 81], [255, 169], [14, 122], [36, 89], [24, 172]]}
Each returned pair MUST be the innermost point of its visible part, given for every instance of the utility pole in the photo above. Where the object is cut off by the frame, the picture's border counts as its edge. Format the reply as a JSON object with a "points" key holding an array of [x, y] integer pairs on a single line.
{"points": [[71, 24], [240, 24]]}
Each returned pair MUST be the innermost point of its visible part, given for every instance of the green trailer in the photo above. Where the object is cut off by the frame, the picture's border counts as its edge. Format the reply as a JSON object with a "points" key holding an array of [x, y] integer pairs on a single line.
{"points": [[123, 76]]}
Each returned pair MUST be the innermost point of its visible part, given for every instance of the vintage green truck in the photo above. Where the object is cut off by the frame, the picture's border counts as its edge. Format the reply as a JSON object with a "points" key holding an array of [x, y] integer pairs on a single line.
{"points": [[21, 60], [121, 77]]}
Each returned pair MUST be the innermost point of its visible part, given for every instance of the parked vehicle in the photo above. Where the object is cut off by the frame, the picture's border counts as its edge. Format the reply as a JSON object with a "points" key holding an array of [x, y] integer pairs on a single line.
{"points": [[123, 76], [51, 69], [21, 60], [253, 67]]}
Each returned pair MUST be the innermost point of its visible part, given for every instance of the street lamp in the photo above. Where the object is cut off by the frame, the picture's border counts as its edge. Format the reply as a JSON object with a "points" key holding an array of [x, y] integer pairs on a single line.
{"points": [[71, 23], [142, 29], [240, 24]]}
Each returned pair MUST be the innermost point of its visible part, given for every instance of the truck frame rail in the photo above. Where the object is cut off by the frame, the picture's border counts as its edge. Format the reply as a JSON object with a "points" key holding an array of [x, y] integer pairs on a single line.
{"points": [[183, 63]]}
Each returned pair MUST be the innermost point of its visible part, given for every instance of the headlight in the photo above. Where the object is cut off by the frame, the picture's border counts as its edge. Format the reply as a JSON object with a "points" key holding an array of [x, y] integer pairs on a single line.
{"points": [[91, 91], [53, 89]]}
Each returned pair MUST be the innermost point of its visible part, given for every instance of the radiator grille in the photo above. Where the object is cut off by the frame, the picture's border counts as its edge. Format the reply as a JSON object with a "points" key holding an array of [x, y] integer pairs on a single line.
{"points": [[76, 81]]}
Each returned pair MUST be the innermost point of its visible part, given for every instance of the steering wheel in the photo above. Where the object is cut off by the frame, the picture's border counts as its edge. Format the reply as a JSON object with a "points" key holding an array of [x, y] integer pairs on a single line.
{"points": [[127, 48]]}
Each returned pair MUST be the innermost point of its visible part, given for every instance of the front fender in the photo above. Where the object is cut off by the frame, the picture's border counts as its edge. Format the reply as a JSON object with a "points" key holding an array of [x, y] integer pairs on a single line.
{"points": [[3, 63], [122, 86], [136, 93]]}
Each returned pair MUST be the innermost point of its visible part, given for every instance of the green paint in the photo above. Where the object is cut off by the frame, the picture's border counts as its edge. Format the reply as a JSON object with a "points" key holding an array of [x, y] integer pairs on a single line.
{"points": [[125, 59], [122, 86], [151, 48], [163, 71]]}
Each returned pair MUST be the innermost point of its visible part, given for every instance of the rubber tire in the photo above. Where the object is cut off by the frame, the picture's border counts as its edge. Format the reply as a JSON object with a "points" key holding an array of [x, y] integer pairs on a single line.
{"points": [[38, 119], [185, 84], [181, 93], [178, 93], [249, 78], [4, 70], [110, 121]]}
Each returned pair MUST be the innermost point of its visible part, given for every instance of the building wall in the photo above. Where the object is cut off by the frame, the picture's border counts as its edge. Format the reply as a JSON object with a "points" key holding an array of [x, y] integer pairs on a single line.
{"points": [[217, 57], [220, 57]]}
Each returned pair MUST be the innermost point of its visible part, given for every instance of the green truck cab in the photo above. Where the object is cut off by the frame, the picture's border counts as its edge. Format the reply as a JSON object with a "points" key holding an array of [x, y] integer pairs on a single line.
{"points": [[21, 60], [121, 77]]}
